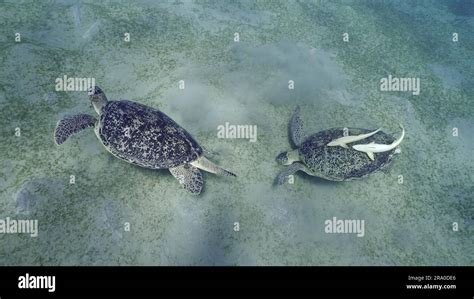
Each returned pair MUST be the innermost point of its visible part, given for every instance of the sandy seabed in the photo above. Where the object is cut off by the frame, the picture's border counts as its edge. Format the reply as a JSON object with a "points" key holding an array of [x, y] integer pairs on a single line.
{"points": [[119, 214]]}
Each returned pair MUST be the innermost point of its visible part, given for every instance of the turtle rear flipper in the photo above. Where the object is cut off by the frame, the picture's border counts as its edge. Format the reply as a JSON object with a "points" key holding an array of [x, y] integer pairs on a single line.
{"points": [[71, 125], [206, 165], [296, 127], [189, 177]]}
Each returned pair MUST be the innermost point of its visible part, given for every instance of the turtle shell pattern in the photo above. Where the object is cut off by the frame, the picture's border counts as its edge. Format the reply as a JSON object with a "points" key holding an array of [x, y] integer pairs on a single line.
{"points": [[339, 164], [145, 136]]}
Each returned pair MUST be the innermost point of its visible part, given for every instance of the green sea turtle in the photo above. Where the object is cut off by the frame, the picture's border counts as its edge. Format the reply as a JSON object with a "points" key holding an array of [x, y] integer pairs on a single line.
{"points": [[336, 163], [142, 136]]}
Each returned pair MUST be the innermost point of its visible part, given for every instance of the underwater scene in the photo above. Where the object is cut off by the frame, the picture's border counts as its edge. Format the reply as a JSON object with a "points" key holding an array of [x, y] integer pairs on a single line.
{"points": [[237, 133]]}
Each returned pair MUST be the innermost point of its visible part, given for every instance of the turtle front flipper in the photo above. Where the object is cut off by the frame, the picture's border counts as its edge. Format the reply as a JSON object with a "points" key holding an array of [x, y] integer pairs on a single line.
{"points": [[285, 174], [296, 127], [71, 125], [189, 177]]}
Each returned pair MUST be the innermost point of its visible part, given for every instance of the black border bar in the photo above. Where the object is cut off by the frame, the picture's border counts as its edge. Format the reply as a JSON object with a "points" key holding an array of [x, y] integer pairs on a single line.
{"points": [[291, 282]]}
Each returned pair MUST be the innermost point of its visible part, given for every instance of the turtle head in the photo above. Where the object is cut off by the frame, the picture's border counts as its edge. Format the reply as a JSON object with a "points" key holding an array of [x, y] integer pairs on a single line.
{"points": [[97, 97], [287, 158], [283, 158]]}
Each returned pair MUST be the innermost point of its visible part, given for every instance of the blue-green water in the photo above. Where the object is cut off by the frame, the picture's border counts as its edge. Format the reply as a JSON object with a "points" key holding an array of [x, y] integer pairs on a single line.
{"points": [[337, 84]]}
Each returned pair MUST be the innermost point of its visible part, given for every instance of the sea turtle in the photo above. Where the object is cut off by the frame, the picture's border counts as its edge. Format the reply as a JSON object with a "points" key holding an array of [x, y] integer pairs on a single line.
{"points": [[142, 136], [335, 163]]}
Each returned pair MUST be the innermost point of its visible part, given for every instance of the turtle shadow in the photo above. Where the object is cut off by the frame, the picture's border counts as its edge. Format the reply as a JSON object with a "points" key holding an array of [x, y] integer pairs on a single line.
{"points": [[313, 179], [463, 8], [320, 181], [163, 172]]}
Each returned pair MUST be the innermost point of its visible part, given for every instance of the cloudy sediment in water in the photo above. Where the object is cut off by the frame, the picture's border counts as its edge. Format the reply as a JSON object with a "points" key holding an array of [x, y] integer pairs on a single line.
{"points": [[115, 213]]}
